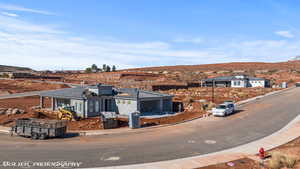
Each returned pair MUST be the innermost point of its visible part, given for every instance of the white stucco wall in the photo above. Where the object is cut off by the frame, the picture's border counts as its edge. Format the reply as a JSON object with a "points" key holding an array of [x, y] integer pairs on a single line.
{"points": [[238, 83], [78, 107], [257, 83], [124, 107]]}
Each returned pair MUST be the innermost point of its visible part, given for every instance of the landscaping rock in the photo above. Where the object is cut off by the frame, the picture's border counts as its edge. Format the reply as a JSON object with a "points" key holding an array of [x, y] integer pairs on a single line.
{"points": [[2, 111], [9, 111]]}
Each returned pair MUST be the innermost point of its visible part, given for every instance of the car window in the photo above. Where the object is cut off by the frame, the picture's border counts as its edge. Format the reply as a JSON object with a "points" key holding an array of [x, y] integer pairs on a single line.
{"points": [[221, 107]]}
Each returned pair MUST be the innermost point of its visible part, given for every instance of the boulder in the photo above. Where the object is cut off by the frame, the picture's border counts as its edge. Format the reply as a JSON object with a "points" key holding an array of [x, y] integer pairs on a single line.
{"points": [[15, 111], [9, 111], [2, 111], [21, 111]]}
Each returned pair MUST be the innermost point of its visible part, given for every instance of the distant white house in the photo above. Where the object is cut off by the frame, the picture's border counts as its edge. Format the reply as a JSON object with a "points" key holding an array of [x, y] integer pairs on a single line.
{"points": [[237, 81]]}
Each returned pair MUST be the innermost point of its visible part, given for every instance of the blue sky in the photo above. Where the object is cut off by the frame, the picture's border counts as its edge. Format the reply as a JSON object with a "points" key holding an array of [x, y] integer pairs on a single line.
{"points": [[68, 34]]}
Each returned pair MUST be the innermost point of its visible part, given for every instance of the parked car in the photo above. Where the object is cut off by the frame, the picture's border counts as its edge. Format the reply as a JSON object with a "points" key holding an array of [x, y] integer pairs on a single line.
{"points": [[297, 84], [223, 109]]}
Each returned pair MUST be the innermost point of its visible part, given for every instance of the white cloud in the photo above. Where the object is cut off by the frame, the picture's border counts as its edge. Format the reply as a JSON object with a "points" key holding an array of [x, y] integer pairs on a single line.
{"points": [[285, 34], [9, 14], [10, 7], [189, 40], [14, 24]]}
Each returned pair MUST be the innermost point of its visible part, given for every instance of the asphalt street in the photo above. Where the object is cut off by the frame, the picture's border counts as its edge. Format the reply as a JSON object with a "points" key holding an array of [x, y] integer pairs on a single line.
{"points": [[254, 121]]}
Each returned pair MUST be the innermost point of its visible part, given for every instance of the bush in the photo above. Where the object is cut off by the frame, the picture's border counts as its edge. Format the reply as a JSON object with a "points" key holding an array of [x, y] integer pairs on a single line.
{"points": [[280, 160], [290, 161]]}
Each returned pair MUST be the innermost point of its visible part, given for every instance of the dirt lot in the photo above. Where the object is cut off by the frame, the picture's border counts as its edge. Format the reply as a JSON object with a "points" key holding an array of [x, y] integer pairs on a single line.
{"points": [[244, 163], [24, 103], [289, 151], [19, 86], [192, 97]]}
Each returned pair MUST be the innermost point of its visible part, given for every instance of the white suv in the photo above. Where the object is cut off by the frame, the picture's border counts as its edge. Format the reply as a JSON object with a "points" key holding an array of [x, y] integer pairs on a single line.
{"points": [[223, 109]]}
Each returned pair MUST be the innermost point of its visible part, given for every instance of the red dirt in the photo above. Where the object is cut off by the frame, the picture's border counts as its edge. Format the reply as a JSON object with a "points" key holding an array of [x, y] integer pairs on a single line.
{"points": [[180, 117], [8, 120], [19, 86], [225, 66], [24, 103], [244, 163], [220, 94], [85, 124]]}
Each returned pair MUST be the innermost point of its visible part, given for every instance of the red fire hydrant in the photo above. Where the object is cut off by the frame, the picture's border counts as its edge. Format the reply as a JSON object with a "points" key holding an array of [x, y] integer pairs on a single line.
{"points": [[262, 153]]}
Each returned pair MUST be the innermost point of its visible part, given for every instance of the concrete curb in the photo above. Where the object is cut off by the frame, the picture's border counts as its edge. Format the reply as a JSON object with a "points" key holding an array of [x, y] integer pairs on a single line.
{"points": [[5, 130], [283, 136]]}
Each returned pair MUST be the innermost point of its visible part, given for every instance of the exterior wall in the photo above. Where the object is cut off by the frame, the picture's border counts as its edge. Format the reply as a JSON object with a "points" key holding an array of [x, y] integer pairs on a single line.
{"points": [[151, 106], [238, 83], [78, 107], [94, 107], [257, 83], [124, 106], [102, 90], [62, 102]]}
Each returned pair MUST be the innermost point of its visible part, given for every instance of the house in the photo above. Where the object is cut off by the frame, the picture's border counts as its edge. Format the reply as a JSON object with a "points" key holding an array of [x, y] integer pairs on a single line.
{"points": [[90, 101], [236, 81]]}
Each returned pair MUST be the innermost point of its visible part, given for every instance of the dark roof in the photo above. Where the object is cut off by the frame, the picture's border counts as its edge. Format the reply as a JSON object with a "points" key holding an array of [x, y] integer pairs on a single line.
{"points": [[229, 78], [132, 93], [78, 93], [256, 78], [70, 93]]}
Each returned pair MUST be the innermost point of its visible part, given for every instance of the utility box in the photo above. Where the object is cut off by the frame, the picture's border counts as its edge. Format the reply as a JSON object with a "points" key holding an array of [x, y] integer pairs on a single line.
{"points": [[109, 120], [284, 85], [134, 120]]}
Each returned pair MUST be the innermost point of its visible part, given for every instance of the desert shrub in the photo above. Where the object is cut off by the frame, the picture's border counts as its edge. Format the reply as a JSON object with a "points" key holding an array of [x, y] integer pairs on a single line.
{"points": [[210, 105], [189, 100], [280, 160], [272, 71], [276, 161], [290, 161]]}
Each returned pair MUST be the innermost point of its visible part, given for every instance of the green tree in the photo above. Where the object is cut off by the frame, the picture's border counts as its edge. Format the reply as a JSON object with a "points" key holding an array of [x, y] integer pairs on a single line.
{"points": [[108, 68], [114, 68], [94, 67], [88, 70], [104, 67]]}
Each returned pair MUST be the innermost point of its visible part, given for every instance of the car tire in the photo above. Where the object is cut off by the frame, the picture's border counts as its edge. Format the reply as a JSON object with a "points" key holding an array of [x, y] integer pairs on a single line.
{"points": [[34, 136], [43, 136]]}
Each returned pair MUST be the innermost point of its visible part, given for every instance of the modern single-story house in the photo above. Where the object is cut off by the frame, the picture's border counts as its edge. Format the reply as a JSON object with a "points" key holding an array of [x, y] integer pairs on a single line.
{"points": [[90, 101], [236, 81]]}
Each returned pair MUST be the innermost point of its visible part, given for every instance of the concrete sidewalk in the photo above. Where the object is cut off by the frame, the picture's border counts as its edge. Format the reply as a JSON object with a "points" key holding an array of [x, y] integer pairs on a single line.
{"points": [[4, 129], [285, 135]]}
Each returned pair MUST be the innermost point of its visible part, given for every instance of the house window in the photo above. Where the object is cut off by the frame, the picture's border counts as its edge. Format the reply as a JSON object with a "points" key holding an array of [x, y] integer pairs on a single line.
{"points": [[80, 107], [91, 106], [76, 106], [97, 105]]}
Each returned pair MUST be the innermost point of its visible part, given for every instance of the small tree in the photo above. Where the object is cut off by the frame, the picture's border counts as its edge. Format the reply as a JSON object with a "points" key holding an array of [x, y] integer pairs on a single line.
{"points": [[108, 68], [104, 67], [88, 70], [114, 68], [94, 68]]}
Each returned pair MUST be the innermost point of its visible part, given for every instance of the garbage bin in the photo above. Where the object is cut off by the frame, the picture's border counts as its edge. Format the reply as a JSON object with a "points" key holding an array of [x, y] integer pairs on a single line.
{"points": [[134, 120]]}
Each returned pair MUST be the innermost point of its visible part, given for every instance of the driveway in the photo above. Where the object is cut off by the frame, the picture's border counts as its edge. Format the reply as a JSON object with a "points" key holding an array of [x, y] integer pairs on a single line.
{"points": [[255, 120]]}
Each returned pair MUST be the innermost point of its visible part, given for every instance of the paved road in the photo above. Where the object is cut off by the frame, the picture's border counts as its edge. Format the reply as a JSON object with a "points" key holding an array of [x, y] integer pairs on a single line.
{"points": [[255, 121]]}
